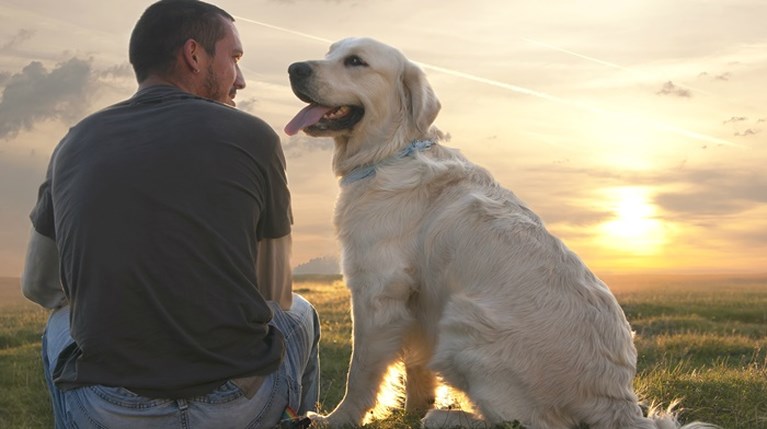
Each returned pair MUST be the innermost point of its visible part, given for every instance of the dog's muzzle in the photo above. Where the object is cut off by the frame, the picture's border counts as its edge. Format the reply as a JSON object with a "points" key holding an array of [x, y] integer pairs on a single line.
{"points": [[299, 77], [320, 117]]}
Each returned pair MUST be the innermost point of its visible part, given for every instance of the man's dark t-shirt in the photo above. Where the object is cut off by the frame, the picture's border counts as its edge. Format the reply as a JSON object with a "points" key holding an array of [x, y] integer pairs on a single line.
{"points": [[156, 205]]}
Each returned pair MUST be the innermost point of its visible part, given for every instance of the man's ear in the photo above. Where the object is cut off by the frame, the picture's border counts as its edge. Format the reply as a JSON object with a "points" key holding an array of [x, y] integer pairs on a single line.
{"points": [[421, 102], [191, 52]]}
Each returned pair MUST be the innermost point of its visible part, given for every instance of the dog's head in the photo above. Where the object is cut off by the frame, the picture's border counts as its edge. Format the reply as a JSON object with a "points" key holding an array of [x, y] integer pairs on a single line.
{"points": [[362, 89]]}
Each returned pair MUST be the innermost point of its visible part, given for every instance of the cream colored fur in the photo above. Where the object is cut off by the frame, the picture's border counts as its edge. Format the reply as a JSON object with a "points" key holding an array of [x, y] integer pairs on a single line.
{"points": [[455, 274]]}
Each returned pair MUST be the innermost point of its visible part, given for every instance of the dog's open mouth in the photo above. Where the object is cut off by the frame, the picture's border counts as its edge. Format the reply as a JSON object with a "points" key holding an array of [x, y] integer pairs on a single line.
{"points": [[316, 118]]}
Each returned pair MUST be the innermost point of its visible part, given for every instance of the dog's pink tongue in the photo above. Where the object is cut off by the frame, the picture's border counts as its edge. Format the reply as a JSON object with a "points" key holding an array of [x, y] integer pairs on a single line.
{"points": [[309, 115]]}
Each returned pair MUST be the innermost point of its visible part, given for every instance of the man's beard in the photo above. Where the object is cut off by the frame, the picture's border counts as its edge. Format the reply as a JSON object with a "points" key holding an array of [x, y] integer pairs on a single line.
{"points": [[212, 87]]}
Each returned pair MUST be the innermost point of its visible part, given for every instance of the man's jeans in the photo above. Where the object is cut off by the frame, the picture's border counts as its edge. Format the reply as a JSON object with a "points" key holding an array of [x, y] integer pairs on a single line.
{"points": [[294, 384]]}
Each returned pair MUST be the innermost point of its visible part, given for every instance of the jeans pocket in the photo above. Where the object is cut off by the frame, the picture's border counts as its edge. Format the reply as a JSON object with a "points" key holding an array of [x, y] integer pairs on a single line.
{"points": [[227, 392], [228, 407], [105, 407]]}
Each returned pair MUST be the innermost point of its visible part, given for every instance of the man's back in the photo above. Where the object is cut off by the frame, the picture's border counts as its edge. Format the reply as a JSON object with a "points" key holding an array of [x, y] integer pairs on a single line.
{"points": [[158, 203]]}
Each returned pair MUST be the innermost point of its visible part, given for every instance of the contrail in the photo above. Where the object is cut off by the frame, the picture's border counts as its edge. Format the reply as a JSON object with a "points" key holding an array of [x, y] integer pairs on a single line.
{"points": [[583, 106], [605, 63], [527, 91], [285, 30]]}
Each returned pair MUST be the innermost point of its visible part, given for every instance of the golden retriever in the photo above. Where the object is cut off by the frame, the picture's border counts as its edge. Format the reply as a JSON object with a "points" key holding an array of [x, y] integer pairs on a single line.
{"points": [[453, 273]]}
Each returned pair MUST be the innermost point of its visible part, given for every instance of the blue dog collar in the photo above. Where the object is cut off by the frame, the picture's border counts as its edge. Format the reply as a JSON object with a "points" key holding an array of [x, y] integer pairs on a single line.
{"points": [[366, 171]]}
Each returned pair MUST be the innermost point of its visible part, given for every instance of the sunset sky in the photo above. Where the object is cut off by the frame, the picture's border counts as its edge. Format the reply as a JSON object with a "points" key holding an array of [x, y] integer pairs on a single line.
{"points": [[636, 129]]}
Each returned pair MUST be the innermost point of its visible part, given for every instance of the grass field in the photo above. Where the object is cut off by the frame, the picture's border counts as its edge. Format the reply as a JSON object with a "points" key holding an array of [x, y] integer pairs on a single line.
{"points": [[701, 339]]}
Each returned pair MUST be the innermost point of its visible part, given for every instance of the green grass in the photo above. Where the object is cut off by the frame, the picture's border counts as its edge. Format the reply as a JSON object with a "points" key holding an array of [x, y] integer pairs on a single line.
{"points": [[23, 394], [705, 345], [701, 340]]}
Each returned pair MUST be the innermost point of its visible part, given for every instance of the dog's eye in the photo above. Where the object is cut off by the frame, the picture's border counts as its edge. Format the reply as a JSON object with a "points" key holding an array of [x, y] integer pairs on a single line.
{"points": [[354, 61]]}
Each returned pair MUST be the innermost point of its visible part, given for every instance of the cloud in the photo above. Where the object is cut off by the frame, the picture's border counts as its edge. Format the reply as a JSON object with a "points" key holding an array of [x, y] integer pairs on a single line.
{"points": [[735, 119], [124, 70], [247, 105], [724, 76], [747, 132], [687, 195], [669, 88], [20, 37], [753, 238], [300, 145], [19, 180], [744, 133], [721, 76], [713, 191], [561, 201], [35, 94]]}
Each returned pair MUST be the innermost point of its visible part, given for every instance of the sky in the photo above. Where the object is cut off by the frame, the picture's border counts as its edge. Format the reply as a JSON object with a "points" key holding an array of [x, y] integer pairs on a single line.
{"points": [[636, 129]]}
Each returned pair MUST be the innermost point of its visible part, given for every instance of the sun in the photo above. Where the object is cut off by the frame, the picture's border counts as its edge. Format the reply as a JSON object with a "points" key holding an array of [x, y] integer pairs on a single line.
{"points": [[634, 227]]}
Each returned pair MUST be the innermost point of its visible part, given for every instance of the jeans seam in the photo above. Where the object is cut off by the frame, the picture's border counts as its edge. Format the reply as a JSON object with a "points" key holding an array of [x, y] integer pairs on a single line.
{"points": [[109, 398], [268, 405], [229, 398], [183, 416], [84, 411]]}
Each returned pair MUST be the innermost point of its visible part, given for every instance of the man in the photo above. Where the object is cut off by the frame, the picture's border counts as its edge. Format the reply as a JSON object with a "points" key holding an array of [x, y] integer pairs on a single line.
{"points": [[161, 236]]}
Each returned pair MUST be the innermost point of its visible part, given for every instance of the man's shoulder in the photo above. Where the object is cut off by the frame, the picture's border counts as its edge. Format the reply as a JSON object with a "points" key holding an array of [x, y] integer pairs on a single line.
{"points": [[241, 124], [237, 114], [181, 104], [185, 113], [225, 114]]}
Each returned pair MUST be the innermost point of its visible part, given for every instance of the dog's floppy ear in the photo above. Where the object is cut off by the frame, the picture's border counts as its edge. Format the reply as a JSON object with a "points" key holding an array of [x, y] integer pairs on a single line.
{"points": [[421, 102]]}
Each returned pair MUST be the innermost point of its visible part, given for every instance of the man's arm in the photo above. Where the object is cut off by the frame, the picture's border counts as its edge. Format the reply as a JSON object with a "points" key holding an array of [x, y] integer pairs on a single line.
{"points": [[275, 280], [40, 280]]}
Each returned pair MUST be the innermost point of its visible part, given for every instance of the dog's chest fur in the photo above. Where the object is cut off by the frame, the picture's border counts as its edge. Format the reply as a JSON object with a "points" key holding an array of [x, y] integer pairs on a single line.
{"points": [[388, 223], [394, 202]]}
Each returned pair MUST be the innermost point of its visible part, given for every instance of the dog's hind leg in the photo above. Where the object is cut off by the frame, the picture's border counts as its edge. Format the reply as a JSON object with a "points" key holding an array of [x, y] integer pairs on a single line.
{"points": [[421, 381], [503, 398], [420, 387]]}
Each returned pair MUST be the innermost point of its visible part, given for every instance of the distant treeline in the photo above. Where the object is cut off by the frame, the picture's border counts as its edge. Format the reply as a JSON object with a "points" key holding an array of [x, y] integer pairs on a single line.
{"points": [[326, 265]]}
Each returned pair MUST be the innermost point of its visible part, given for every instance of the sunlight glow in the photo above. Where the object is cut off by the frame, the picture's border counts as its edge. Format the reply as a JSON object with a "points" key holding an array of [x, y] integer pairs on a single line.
{"points": [[391, 395], [635, 227]]}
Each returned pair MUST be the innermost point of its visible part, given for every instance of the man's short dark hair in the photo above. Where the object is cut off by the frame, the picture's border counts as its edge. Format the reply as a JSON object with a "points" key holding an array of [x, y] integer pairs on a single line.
{"points": [[165, 26]]}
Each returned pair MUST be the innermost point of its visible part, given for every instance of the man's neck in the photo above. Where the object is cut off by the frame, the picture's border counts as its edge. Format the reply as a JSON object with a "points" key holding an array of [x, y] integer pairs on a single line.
{"points": [[155, 80]]}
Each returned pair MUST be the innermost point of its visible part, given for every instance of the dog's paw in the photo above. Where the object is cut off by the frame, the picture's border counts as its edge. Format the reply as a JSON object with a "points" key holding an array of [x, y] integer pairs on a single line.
{"points": [[318, 420], [443, 419]]}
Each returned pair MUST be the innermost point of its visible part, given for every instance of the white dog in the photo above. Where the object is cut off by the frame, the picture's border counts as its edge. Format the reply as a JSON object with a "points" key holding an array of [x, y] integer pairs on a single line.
{"points": [[452, 272]]}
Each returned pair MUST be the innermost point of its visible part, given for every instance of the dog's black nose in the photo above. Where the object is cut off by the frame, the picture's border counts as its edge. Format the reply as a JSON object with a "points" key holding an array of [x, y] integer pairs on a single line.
{"points": [[299, 70]]}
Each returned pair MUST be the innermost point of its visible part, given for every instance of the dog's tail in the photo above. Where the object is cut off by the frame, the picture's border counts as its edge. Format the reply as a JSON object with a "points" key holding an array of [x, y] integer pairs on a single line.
{"points": [[666, 419], [671, 423]]}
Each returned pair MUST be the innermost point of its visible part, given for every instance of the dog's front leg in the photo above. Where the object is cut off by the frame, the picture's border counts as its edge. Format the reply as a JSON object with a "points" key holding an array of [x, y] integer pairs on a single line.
{"points": [[380, 321]]}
